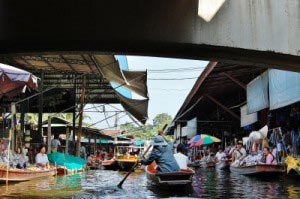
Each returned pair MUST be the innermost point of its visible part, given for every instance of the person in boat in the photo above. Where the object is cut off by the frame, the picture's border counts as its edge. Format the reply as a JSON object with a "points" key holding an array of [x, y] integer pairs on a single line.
{"points": [[180, 157], [239, 152], [19, 159], [55, 143], [83, 152], [220, 155], [41, 159], [268, 157], [162, 155]]}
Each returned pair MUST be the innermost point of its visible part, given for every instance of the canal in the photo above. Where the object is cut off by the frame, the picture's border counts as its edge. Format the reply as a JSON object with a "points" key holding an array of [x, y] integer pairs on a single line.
{"points": [[207, 183]]}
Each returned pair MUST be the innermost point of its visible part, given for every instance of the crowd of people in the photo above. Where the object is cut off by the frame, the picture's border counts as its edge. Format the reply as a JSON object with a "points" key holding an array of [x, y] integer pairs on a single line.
{"points": [[19, 159]]}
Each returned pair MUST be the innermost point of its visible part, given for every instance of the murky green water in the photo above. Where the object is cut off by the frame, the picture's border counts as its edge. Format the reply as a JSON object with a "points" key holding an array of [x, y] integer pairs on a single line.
{"points": [[207, 183]]}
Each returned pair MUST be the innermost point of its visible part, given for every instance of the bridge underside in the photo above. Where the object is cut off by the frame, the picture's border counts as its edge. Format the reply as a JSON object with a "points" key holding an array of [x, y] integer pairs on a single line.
{"points": [[256, 32]]}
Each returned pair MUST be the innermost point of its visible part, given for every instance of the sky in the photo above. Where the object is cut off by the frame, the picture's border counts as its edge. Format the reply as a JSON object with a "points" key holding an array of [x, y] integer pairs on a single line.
{"points": [[166, 96]]}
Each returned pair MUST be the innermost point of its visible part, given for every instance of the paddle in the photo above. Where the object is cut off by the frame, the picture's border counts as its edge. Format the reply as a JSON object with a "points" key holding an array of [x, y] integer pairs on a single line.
{"points": [[132, 168]]}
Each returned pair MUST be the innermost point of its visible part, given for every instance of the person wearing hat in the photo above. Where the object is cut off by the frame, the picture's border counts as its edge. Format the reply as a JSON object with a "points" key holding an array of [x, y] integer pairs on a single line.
{"points": [[239, 152], [162, 155]]}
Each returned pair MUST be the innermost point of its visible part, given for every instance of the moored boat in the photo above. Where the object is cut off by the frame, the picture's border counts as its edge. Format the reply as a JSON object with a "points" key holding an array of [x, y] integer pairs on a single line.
{"points": [[222, 165], [205, 164], [19, 175], [110, 164], [259, 169], [126, 162], [183, 177]]}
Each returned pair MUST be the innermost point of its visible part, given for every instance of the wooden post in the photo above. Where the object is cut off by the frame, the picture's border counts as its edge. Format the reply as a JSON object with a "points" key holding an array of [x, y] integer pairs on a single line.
{"points": [[95, 143], [67, 140], [79, 132], [13, 113], [74, 117], [49, 135], [40, 128]]}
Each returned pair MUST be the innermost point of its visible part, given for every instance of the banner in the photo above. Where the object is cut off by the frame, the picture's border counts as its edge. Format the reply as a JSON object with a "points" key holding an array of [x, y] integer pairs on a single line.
{"points": [[247, 119], [257, 93], [284, 88]]}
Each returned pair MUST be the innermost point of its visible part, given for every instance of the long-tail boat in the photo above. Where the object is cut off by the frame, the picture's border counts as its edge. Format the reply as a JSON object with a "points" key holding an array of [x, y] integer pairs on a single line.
{"points": [[183, 177], [19, 175], [259, 169]]}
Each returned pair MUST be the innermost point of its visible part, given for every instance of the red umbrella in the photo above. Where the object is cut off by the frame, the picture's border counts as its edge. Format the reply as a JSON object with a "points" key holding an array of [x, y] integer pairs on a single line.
{"points": [[14, 81]]}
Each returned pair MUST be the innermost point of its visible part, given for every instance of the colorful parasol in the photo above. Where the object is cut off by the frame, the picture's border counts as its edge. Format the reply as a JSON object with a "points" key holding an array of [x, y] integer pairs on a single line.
{"points": [[14, 81], [204, 139]]}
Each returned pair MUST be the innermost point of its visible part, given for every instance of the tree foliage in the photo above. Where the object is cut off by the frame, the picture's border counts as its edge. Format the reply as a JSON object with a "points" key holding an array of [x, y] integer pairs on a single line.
{"points": [[148, 131]]}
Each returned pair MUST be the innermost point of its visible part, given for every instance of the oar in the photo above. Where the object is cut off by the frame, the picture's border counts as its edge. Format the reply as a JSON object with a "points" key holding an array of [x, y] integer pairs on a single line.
{"points": [[132, 168]]}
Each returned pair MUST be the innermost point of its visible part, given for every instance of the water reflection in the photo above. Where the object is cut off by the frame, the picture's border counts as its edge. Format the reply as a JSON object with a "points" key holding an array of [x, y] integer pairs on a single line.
{"points": [[207, 183]]}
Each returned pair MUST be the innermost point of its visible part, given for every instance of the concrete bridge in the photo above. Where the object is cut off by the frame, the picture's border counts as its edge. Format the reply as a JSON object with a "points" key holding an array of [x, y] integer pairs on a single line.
{"points": [[258, 32]]}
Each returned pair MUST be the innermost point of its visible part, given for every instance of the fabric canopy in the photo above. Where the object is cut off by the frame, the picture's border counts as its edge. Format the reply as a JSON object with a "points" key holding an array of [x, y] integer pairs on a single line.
{"points": [[284, 88], [133, 80], [138, 108], [13, 81], [257, 93]]}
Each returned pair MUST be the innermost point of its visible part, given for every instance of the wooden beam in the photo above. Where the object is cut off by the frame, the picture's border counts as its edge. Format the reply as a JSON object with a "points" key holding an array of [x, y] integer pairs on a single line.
{"points": [[222, 106], [209, 68], [238, 82]]}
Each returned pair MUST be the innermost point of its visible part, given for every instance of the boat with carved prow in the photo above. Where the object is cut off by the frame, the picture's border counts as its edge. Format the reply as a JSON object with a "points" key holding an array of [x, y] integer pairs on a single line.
{"points": [[258, 170], [19, 175], [183, 177]]}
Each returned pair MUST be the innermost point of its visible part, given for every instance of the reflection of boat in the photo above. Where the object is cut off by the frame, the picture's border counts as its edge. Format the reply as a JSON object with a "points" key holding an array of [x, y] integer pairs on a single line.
{"points": [[110, 164], [222, 165], [184, 177], [18, 175], [260, 169]]}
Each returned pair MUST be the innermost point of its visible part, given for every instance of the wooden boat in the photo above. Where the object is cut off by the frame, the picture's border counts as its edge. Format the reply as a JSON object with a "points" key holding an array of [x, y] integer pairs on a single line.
{"points": [[110, 164], [259, 169], [126, 162], [62, 170], [19, 175], [194, 164], [207, 164], [184, 177], [222, 165]]}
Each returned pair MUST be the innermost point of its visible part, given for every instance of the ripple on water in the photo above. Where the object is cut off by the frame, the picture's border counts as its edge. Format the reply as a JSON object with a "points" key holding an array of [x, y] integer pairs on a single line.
{"points": [[207, 183]]}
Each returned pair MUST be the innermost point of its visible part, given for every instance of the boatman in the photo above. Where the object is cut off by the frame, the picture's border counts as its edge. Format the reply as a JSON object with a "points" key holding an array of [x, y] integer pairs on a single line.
{"points": [[162, 155]]}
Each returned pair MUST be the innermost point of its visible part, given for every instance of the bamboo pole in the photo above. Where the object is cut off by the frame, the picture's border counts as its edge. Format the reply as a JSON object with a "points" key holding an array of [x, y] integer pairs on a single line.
{"points": [[8, 152], [49, 135], [79, 132]]}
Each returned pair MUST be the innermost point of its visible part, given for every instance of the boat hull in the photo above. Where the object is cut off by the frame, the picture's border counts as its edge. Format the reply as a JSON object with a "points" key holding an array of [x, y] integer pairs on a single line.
{"points": [[207, 164], [110, 165], [222, 165], [18, 175], [184, 177], [126, 165], [258, 170]]}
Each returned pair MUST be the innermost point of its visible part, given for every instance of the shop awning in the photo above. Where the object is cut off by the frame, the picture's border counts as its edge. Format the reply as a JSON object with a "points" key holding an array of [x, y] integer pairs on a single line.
{"points": [[135, 81], [137, 108]]}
